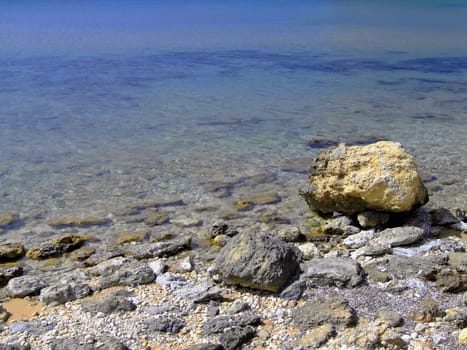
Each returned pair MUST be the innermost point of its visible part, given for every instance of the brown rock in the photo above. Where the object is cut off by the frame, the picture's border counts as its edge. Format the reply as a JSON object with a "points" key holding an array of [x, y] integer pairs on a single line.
{"points": [[11, 251], [380, 176], [8, 218], [317, 336]]}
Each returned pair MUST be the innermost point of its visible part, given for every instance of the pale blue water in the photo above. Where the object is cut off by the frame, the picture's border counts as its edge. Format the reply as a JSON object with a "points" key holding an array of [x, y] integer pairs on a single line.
{"points": [[102, 102]]}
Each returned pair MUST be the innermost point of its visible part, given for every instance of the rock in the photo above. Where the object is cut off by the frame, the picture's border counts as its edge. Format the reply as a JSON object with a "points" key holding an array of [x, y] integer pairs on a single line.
{"points": [[359, 239], [458, 260], [332, 310], [128, 274], [371, 249], [128, 237], [218, 324], [35, 327], [296, 165], [4, 315], [56, 248], [166, 324], [22, 286], [317, 336], [309, 250], [82, 253], [102, 343], [375, 274], [237, 307], [337, 226], [78, 222], [341, 272], [101, 257], [427, 311], [157, 266], [295, 290], [380, 176], [371, 218], [207, 295], [398, 236], [443, 217], [234, 338], [290, 235], [118, 301], [157, 219], [390, 318], [243, 204], [205, 347], [159, 249], [257, 261], [171, 280], [221, 228], [274, 219], [15, 347], [160, 203], [7, 219], [186, 222], [11, 251], [452, 281], [62, 293], [221, 240], [7, 273], [463, 336], [266, 198]]}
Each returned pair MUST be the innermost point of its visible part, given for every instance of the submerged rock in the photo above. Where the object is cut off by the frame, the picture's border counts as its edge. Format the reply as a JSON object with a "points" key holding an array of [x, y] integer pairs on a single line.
{"points": [[56, 248], [257, 261], [78, 222], [11, 251], [335, 271], [159, 249], [8, 219], [380, 176]]}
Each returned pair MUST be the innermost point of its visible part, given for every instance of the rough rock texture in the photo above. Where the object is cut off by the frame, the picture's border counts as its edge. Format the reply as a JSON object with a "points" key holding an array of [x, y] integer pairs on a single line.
{"points": [[380, 176], [166, 324], [398, 236], [257, 261], [11, 251], [217, 325], [56, 248], [128, 274], [234, 338], [7, 273], [60, 294], [341, 272], [104, 343], [158, 249], [115, 302], [20, 287]]}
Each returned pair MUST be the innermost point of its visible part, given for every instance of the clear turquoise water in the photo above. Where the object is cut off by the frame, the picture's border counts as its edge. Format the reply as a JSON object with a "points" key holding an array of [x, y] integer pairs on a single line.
{"points": [[103, 102]]}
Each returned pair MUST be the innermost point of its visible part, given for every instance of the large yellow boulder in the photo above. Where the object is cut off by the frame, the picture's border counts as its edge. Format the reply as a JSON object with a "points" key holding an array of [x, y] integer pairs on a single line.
{"points": [[380, 176]]}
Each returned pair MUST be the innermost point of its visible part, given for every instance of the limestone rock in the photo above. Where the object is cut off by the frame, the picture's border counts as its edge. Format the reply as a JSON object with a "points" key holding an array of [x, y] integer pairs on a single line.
{"points": [[217, 325], [128, 274], [115, 302], [371, 218], [398, 236], [159, 249], [380, 176], [56, 247], [257, 261], [11, 251], [7, 273], [339, 271], [62, 293], [317, 336], [22, 286]]}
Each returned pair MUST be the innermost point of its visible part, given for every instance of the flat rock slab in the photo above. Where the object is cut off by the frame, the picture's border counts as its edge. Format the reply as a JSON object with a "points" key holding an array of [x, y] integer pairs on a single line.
{"points": [[129, 274], [398, 236], [218, 325], [115, 302], [62, 293], [340, 272], [257, 261], [22, 286], [333, 310], [159, 249]]}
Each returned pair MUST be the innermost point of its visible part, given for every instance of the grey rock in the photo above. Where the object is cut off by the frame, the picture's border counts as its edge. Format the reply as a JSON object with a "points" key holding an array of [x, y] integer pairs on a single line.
{"points": [[14, 347], [101, 257], [7, 273], [22, 286], [129, 274], [211, 293], [104, 343], [390, 318], [371, 218], [205, 347], [237, 307], [257, 261], [341, 272], [218, 324], [171, 280], [35, 327], [309, 250], [103, 266], [118, 301], [166, 324], [295, 290], [290, 235], [443, 217], [330, 309], [398, 236], [234, 338], [371, 250], [159, 249], [62, 293], [359, 240], [157, 266]]}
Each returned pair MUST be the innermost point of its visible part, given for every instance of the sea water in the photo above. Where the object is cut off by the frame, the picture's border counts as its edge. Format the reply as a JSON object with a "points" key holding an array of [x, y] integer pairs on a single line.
{"points": [[103, 103]]}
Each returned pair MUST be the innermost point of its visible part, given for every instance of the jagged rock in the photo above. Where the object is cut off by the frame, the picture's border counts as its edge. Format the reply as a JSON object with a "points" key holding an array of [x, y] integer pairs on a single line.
{"points": [[130, 273], [217, 325], [371, 218], [159, 249], [166, 324], [317, 336], [371, 249], [234, 338], [333, 310], [221, 228], [295, 290], [427, 311], [337, 226], [101, 257], [11, 251], [257, 261], [237, 307], [380, 176], [56, 247], [340, 271], [290, 235], [22, 286], [118, 301], [398, 236], [14, 347], [390, 318], [7, 273], [62, 293]]}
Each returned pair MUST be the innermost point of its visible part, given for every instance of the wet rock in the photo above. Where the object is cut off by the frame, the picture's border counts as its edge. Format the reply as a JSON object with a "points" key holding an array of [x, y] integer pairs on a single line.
{"points": [[82, 253], [235, 338], [317, 336], [56, 248], [319, 143], [11, 251], [296, 165], [290, 235], [266, 198], [398, 236], [221, 228], [427, 311], [243, 205], [443, 217], [337, 226], [257, 261], [128, 237], [221, 240], [274, 219], [380, 176], [130, 273], [369, 218], [7, 273], [218, 324], [166, 324], [62, 293], [7, 219], [309, 250], [333, 310], [157, 219], [160, 203], [229, 215], [159, 249], [101, 257], [22, 286], [118, 301], [187, 222], [340, 272], [78, 222]]}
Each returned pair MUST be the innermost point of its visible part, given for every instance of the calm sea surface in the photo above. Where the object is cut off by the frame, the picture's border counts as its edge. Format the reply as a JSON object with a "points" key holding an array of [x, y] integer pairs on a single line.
{"points": [[103, 103]]}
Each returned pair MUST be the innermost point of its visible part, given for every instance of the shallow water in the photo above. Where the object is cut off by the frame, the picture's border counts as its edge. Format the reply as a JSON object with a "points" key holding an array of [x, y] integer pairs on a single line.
{"points": [[107, 105]]}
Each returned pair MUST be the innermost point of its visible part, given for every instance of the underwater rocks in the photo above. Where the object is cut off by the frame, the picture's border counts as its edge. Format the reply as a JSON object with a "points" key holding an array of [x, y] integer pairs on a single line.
{"points": [[11, 251], [7, 219], [56, 248], [380, 176], [257, 261], [78, 222]]}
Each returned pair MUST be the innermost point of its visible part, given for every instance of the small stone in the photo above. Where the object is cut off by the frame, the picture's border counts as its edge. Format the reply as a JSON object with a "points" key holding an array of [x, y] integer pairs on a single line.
{"points": [[370, 218], [4, 315], [82, 253], [341, 272], [294, 291], [427, 311], [317, 336], [234, 338], [186, 222], [274, 219], [7, 273], [337, 226], [157, 266], [127, 274], [157, 219], [218, 324], [237, 307], [11, 251], [221, 240], [443, 217], [159, 249], [290, 234], [22, 286], [186, 265], [398, 236], [166, 324], [266, 198], [221, 228], [243, 205], [390, 318], [463, 336], [359, 240], [309, 250]]}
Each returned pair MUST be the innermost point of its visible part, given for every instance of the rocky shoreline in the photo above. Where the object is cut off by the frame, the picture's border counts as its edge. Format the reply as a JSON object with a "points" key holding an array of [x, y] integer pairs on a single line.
{"points": [[371, 270]]}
